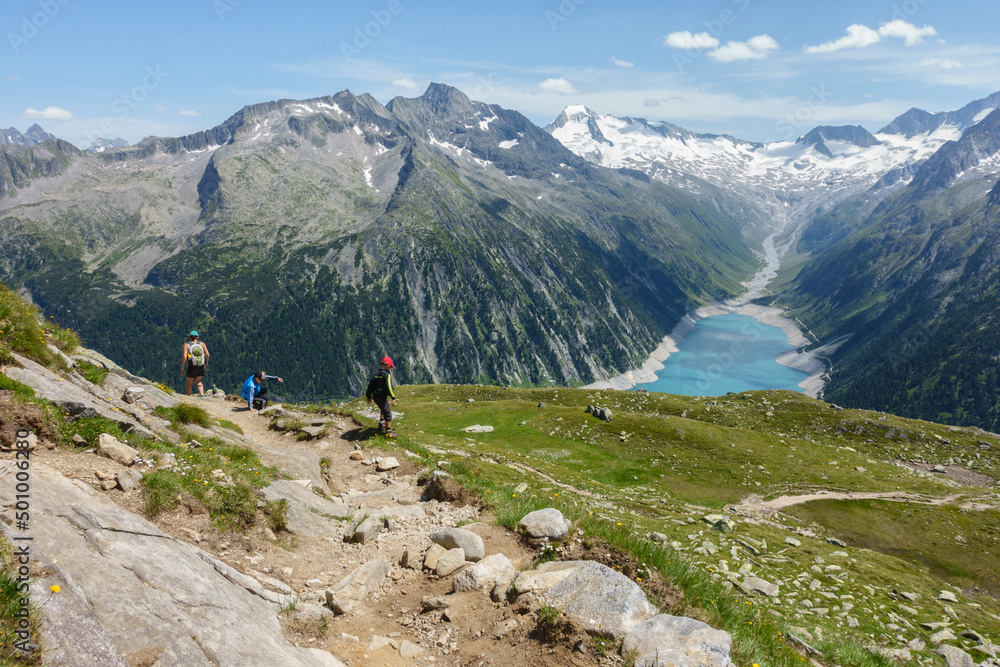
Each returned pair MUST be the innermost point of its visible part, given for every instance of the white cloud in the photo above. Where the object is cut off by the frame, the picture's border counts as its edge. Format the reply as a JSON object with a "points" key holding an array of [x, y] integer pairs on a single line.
{"points": [[405, 82], [858, 36], [50, 113], [686, 40], [942, 63], [188, 112], [561, 86], [622, 63], [755, 48], [910, 33]]}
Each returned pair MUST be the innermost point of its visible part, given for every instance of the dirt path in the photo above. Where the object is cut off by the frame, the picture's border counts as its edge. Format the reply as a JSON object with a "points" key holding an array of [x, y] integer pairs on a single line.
{"points": [[769, 507], [309, 565]]}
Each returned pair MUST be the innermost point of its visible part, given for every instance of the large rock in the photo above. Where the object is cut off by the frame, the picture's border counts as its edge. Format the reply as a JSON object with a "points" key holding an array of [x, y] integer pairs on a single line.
{"points": [[450, 562], [356, 586], [308, 514], [955, 657], [458, 538], [109, 447], [477, 428], [483, 574], [367, 530], [127, 586], [548, 523], [386, 464], [600, 600], [760, 586], [675, 640]]}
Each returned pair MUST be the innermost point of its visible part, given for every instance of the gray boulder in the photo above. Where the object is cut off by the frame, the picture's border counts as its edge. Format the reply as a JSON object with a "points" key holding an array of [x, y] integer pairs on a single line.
{"points": [[955, 657], [600, 600], [459, 538], [356, 586], [677, 641], [126, 586], [367, 531], [545, 523], [760, 586]]}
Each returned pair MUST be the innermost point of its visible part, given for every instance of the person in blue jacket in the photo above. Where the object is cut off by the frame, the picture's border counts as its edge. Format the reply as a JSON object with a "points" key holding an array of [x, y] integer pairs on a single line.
{"points": [[252, 389]]}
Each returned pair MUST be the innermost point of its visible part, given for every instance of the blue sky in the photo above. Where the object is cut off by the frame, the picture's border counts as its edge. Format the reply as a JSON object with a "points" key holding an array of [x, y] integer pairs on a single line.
{"points": [[756, 69]]}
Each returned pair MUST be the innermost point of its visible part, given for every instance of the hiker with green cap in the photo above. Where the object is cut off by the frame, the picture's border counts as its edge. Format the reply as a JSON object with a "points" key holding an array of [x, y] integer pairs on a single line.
{"points": [[195, 358]]}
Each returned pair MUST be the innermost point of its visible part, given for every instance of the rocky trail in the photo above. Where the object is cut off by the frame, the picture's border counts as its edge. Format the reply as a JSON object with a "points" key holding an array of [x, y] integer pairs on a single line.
{"points": [[369, 568]]}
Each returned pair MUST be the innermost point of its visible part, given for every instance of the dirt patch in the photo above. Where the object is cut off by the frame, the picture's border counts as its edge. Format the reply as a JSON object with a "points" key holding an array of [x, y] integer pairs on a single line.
{"points": [[447, 490], [957, 473], [15, 415]]}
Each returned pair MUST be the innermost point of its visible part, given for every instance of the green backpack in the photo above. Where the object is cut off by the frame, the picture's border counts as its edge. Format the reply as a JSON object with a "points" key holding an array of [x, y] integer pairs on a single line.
{"points": [[197, 354]]}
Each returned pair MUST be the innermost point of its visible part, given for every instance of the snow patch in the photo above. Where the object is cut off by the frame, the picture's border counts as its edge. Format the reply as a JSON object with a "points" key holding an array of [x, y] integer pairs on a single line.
{"points": [[510, 143]]}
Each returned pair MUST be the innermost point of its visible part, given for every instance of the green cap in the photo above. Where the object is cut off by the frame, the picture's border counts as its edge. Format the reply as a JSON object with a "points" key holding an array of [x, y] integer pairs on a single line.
{"points": [[193, 333]]}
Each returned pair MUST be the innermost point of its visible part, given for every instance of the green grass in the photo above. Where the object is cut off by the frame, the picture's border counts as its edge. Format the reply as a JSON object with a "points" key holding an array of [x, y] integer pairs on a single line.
{"points": [[185, 413], [10, 608], [229, 494], [21, 330], [90, 429], [93, 374], [225, 423], [960, 546]]}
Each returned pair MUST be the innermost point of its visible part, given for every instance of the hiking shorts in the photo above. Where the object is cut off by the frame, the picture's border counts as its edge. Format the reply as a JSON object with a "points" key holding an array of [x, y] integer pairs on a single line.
{"points": [[195, 371], [384, 405]]}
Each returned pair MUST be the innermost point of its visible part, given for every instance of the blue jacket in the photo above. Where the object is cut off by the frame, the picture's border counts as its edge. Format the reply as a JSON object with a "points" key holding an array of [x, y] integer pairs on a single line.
{"points": [[251, 387]]}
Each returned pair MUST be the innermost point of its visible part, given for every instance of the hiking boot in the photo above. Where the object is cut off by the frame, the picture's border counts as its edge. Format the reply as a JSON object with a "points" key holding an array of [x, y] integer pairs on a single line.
{"points": [[390, 434]]}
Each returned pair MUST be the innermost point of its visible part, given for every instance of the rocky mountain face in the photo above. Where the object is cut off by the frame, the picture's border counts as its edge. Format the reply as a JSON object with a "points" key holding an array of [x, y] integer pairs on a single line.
{"points": [[312, 237], [787, 185], [33, 135], [102, 144], [913, 292]]}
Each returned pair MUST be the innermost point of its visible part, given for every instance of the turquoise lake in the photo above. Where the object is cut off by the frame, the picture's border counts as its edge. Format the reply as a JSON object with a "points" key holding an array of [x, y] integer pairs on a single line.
{"points": [[725, 353]]}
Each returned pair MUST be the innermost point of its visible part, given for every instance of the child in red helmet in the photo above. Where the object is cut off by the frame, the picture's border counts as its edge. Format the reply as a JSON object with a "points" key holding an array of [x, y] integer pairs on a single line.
{"points": [[380, 390]]}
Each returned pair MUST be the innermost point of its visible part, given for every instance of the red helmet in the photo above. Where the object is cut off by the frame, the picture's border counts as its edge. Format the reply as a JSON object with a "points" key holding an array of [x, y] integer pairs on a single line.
{"points": [[388, 362]]}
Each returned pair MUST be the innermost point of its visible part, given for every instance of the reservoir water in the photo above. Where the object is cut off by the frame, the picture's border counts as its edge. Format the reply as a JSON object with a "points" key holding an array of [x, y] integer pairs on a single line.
{"points": [[730, 352]]}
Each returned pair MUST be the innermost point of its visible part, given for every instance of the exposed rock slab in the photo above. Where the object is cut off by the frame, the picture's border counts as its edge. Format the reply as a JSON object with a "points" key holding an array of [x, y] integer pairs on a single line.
{"points": [[308, 514], [356, 586], [146, 589], [74, 399]]}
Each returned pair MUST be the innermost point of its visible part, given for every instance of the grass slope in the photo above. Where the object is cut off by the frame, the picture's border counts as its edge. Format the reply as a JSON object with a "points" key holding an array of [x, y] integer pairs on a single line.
{"points": [[664, 462]]}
